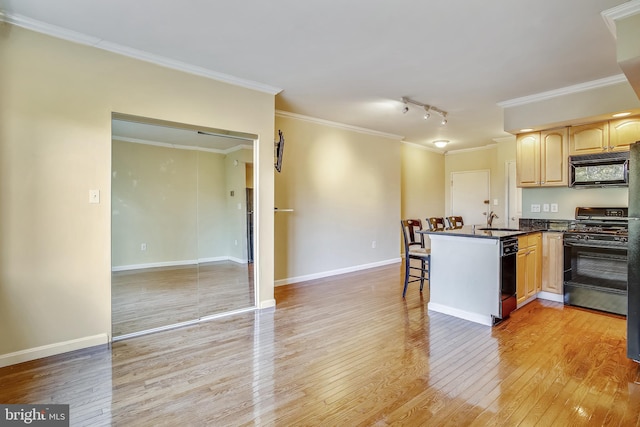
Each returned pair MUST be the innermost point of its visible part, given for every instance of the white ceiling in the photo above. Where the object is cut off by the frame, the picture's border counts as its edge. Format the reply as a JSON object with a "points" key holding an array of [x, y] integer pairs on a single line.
{"points": [[351, 61]]}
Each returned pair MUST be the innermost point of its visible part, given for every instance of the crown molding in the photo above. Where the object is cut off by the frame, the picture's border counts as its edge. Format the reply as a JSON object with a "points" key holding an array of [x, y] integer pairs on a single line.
{"points": [[80, 38], [624, 10], [582, 87], [280, 113], [467, 150]]}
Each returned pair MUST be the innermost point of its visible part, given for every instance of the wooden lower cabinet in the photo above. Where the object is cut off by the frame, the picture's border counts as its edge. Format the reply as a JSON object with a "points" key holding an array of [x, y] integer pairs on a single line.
{"points": [[552, 262], [529, 267]]}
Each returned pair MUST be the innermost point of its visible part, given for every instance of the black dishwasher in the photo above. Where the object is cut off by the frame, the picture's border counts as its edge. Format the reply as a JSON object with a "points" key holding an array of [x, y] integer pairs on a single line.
{"points": [[508, 259]]}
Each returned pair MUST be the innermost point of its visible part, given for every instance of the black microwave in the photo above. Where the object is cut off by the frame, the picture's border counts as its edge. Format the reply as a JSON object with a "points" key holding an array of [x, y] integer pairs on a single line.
{"points": [[599, 170]]}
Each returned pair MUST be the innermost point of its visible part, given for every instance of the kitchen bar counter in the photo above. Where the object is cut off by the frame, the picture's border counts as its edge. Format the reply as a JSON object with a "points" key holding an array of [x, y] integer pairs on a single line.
{"points": [[478, 232], [466, 275]]}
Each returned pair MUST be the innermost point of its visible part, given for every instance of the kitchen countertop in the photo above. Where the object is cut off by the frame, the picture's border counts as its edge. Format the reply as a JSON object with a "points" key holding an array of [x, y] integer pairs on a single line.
{"points": [[475, 231]]}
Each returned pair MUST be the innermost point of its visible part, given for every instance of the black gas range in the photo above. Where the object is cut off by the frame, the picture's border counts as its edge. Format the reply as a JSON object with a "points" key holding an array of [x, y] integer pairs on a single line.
{"points": [[595, 259], [599, 226]]}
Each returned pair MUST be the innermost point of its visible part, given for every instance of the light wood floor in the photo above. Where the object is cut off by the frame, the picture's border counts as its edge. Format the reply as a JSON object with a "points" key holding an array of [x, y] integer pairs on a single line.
{"points": [[149, 298], [348, 351]]}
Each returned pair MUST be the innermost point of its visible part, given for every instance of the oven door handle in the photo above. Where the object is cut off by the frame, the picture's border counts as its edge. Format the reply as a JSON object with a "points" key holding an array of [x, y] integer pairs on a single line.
{"points": [[592, 244]]}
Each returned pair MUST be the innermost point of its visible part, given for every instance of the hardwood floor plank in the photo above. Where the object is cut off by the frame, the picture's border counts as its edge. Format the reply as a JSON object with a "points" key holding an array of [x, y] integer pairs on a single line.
{"points": [[348, 350]]}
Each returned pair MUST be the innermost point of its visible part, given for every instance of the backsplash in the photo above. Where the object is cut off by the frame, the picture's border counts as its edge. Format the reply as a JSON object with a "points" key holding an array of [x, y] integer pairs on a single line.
{"points": [[528, 224], [568, 199]]}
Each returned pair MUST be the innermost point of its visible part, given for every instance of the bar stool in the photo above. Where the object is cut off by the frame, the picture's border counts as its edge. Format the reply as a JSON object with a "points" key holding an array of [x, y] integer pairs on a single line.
{"points": [[436, 224], [414, 250], [455, 222]]}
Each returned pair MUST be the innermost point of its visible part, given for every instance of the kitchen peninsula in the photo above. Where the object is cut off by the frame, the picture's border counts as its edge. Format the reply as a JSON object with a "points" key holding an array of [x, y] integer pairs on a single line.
{"points": [[473, 273]]}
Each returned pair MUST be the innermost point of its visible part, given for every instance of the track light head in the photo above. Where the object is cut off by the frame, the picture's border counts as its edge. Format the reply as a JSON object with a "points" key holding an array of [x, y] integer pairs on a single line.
{"points": [[427, 109]]}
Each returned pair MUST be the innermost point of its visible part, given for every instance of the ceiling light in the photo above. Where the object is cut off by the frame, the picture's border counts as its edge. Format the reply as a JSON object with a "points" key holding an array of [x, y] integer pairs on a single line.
{"points": [[444, 120], [441, 143], [427, 114], [526, 130], [626, 113]]}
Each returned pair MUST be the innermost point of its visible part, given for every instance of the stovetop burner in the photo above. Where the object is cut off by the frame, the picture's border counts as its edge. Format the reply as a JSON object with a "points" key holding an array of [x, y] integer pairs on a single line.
{"points": [[596, 229], [599, 224]]}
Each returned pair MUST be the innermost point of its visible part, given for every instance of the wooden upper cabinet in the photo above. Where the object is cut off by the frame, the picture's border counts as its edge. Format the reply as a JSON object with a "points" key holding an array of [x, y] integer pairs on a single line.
{"points": [[528, 159], [541, 158], [623, 133], [590, 138], [554, 152]]}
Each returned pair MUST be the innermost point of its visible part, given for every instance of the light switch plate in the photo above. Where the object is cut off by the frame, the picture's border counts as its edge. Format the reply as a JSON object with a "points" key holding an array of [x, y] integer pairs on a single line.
{"points": [[554, 207], [535, 208], [545, 207], [94, 196]]}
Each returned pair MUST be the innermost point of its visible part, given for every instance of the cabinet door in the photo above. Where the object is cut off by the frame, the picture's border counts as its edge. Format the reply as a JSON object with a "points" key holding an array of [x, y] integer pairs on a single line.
{"points": [[591, 138], [528, 159], [552, 263], [531, 276], [554, 153], [521, 275], [623, 133], [535, 252]]}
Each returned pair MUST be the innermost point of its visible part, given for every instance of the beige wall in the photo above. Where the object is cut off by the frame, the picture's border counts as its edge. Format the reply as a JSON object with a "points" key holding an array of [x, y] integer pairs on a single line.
{"points": [[422, 182], [344, 187], [55, 145]]}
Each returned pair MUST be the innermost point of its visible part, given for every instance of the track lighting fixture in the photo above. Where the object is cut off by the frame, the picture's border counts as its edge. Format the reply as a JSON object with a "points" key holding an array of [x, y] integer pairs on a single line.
{"points": [[427, 109]]}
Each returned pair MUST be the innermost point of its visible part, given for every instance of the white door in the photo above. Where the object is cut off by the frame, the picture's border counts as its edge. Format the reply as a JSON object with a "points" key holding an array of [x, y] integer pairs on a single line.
{"points": [[514, 197], [470, 196]]}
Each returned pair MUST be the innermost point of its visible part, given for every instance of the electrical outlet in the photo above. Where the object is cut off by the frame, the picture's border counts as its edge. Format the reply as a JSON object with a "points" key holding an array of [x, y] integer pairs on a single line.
{"points": [[545, 207], [535, 208], [554, 207], [373, 244]]}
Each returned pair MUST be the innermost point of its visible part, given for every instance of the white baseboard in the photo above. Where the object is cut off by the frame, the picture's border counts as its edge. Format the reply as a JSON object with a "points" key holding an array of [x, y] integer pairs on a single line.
{"points": [[320, 275], [551, 296], [267, 304], [486, 320], [52, 349]]}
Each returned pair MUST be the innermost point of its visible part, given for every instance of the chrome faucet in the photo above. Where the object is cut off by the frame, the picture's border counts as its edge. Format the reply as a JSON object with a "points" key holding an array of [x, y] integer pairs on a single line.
{"points": [[490, 219]]}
